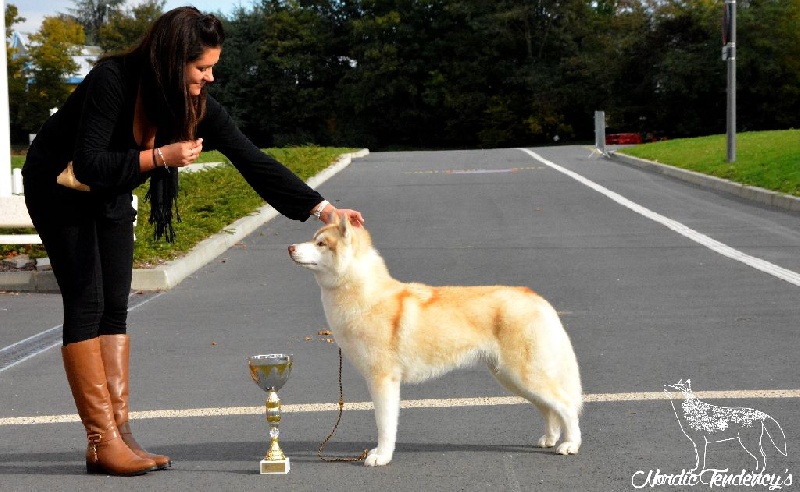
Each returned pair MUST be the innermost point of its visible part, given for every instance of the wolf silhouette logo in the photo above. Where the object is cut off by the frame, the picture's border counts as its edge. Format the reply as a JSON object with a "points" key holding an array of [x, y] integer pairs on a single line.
{"points": [[704, 423]]}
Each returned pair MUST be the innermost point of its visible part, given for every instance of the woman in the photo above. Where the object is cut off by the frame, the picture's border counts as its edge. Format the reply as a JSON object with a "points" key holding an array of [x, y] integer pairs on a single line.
{"points": [[138, 115]]}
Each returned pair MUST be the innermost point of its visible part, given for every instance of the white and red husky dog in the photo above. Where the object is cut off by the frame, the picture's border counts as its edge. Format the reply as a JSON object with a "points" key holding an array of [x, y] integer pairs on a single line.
{"points": [[395, 333]]}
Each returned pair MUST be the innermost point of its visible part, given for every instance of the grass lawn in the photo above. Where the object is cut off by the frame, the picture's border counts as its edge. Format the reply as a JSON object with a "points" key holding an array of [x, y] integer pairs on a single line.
{"points": [[769, 160]]}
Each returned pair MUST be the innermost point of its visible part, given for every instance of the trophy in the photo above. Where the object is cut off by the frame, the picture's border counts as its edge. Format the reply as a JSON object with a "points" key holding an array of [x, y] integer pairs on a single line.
{"points": [[270, 372]]}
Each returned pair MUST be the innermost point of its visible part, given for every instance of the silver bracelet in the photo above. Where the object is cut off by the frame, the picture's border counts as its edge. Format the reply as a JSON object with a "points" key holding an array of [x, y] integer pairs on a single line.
{"points": [[164, 161], [319, 208]]}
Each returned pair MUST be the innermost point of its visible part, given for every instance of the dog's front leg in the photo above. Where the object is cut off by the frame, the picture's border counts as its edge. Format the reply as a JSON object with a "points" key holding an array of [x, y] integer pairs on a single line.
{"points": [[386, 398]]}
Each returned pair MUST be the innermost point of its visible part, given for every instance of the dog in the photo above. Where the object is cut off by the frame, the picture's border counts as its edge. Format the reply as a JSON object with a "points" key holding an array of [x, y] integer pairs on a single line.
{"points": [[394, 332], [705, 423]]}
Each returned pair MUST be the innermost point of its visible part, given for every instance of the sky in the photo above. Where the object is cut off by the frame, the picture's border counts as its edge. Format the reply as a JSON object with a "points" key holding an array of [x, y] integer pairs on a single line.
{"points": [[35, 11]]}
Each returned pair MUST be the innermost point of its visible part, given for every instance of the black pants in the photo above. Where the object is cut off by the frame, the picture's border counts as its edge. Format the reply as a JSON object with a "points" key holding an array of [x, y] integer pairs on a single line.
{"points": [[93, 263]]}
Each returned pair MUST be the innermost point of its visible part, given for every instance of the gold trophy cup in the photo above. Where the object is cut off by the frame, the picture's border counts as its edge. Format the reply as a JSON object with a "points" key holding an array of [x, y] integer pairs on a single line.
{"points": [[270, 373]]}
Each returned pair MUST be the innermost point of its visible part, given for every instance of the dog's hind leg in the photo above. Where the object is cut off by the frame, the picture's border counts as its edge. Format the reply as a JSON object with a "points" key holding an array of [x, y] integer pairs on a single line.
{"points": [[552, 426], [559, 411], [386, 397], [572, 431], [558, 415]]}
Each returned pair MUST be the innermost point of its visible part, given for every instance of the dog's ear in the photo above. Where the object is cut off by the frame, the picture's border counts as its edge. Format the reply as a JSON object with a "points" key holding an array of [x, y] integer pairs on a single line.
{"points": [[344, 226]]}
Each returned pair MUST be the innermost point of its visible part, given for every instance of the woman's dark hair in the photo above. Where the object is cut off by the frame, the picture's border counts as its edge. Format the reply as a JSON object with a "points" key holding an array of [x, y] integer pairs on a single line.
{"points": [[178, 37], [175, 39]]}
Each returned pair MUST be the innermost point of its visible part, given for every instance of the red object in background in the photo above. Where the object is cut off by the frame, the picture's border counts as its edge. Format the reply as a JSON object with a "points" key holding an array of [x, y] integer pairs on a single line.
{"points": [[623, 139]]}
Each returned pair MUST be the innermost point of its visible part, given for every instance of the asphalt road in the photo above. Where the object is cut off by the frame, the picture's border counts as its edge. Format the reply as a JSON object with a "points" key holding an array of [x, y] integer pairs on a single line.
{"points": [[656, 280]]}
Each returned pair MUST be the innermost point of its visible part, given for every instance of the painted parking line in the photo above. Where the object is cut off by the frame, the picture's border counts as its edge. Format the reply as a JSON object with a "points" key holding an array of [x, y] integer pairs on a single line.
{"points": [[409, 404], [40, 343], [712, 244]]}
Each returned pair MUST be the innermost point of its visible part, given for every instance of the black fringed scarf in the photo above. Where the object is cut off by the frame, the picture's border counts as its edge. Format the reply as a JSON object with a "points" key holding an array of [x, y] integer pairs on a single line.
{"points": [[163, 196]]}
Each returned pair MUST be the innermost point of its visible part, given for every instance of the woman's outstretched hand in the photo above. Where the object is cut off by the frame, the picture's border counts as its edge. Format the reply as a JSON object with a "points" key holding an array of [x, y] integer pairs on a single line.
{"points": [[330, 213], [354, 216]]}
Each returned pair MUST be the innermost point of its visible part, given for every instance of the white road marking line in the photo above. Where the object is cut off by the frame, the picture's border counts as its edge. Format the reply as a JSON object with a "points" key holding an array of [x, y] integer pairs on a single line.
{"points": [[408, 404], [31, 355], [58, 343], [712, 244], [30, 338]]}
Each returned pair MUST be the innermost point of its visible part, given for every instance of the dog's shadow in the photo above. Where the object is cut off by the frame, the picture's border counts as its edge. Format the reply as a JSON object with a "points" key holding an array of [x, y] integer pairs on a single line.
{"points": [[71, 463]]}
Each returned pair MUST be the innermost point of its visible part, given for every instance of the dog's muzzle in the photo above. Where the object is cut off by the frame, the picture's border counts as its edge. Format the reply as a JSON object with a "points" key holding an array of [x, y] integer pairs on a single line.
{"points": [[293, 252]]}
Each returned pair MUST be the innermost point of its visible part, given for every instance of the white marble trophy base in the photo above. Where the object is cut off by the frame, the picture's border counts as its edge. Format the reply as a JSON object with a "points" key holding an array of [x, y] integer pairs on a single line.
{"points": [[275, 467]]}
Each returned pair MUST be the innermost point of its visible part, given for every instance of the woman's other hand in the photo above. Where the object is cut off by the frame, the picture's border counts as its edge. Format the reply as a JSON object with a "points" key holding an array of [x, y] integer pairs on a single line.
{"points": [[181, 154]]}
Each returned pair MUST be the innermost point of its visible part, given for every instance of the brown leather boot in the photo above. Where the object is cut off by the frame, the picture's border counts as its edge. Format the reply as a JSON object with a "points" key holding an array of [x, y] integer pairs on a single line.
{"points": [[115, 350], [106, 453]]}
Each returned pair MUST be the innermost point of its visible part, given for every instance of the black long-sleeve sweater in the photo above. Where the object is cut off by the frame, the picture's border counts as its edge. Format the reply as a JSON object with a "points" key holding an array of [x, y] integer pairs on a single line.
{"points": [[94, 130]]}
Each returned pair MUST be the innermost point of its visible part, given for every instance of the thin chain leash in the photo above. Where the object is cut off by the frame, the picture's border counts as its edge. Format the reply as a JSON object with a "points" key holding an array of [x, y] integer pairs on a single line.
{"points": [[363, 455]]}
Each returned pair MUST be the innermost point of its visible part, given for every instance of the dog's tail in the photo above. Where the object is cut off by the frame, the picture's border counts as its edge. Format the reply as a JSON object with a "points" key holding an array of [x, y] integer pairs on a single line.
{"points": [[775, 431]]}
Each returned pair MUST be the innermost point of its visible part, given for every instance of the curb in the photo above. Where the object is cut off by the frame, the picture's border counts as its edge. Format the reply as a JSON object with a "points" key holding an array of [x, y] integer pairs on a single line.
{"points": [[167, 276], [752, 193]]}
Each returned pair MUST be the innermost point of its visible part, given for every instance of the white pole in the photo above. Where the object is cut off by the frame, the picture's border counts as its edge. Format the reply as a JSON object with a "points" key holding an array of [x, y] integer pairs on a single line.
{"points": [[5, 125], [600, 131]]}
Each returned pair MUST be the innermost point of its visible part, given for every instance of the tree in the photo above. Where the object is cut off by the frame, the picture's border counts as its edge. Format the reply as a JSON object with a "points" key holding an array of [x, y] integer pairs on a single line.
{"points": [[557, 77], [125, 28], [93, 15], [51, 50], [238, 81], [300, 53], [630, 58], [689, 77], [387, 41], [17, 60], [279, 71], [457, 73], [768, 65], [12, 17]]}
